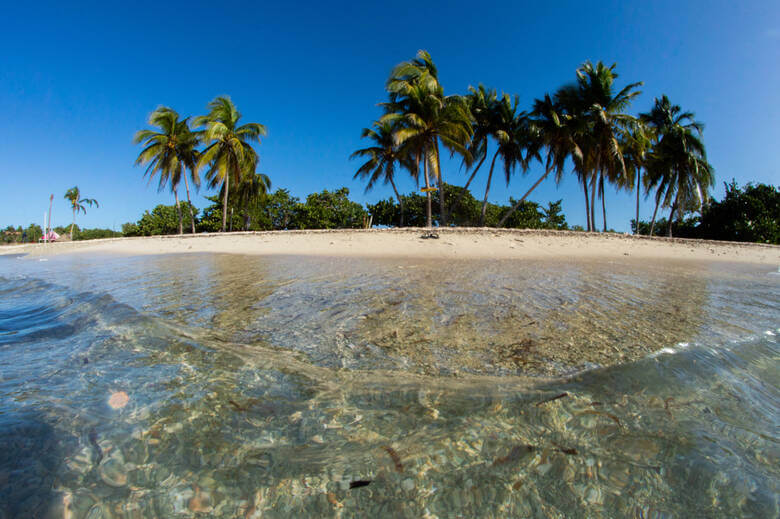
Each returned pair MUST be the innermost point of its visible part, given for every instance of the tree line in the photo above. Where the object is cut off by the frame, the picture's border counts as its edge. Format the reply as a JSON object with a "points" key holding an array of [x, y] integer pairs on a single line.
{"points": [[582, 126]]}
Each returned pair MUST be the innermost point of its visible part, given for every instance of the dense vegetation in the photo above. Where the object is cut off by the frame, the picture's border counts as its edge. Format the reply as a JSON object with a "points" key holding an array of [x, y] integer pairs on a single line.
{"points": [[750, 214]]}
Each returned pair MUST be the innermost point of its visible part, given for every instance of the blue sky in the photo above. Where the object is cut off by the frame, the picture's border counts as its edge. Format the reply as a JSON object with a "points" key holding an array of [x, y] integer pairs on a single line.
{"points": [[77, 82]]}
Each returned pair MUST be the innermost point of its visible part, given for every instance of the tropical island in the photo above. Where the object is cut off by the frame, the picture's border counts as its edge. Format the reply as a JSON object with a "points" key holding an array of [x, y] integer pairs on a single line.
{"points": [[582, 128]]}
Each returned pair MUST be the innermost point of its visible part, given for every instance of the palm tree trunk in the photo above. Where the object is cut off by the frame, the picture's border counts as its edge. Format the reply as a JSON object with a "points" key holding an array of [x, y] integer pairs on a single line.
{"points": [[487, 190], [466, 187], [429, 219], [514, 207], [671, 214], [224, 202], [587, 206], [655, 212], [603, 202], [593, 205], [442, 211], [638, 183], [400, 201], [73, 224], [178, 211], [189, 202]]}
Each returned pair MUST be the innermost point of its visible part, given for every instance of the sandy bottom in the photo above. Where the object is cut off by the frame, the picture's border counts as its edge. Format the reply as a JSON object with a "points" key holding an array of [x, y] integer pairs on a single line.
{"points": [[411, 243]]}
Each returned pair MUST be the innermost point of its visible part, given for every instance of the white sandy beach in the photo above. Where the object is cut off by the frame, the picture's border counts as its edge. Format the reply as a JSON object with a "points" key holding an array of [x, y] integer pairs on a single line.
{"points": [[452, 243]]}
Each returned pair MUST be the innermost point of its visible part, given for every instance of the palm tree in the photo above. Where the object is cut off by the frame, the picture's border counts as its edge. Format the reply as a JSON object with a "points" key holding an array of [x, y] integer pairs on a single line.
{"points": [[73, 195], [228, 153], [677, 166], [547, 129], [635, 143], [251, 189], [382, 159], [673, 132], [598, 112], [170, 152], [479, 102], [507, 129], [423, 116]]}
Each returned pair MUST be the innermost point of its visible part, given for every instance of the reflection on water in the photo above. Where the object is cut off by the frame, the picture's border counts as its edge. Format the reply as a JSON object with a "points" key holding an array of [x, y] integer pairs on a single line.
{"points": [[240, 406]]}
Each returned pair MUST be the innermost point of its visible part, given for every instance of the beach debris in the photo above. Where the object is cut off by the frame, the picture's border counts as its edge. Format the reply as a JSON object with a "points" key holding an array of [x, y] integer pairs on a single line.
{"points": [[395, 457], [551, 399], [430, 235], [118, 400], [359, 483], [517, 452]]}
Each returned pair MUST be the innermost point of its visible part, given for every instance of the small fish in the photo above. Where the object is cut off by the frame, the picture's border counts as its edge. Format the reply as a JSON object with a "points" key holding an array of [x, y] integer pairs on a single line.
{"points": [[556, 397], [359, 483]]}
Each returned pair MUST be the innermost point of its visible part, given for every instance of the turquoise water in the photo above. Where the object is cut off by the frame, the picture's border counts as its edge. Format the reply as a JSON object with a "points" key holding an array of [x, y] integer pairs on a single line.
{"points": [[302, 387]]}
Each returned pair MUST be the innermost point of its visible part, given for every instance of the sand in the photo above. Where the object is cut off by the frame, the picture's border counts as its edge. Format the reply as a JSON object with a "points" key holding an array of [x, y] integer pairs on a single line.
{"points": [[452, 243]]}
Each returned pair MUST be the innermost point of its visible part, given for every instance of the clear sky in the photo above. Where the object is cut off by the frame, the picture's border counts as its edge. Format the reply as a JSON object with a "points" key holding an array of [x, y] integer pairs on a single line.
{"points": [[77, 82]]}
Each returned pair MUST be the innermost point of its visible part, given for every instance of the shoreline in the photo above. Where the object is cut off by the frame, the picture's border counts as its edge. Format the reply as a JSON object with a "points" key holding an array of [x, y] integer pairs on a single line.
{"points": [[466, 243]]}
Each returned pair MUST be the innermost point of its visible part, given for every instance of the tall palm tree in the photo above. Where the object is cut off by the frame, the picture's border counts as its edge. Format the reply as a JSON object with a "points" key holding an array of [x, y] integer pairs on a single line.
{"points": [[548, 130], [423, 116], [677, 166], [635, 143], [73, 195], [382, 159], [508, 130], [479, 102], [600, 110], [170, 151], [676, 142], [228, 154]]}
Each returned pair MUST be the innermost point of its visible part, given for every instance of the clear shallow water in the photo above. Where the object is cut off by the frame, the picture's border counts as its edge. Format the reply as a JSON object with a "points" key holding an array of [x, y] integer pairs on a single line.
{"points": [[266, 387]]}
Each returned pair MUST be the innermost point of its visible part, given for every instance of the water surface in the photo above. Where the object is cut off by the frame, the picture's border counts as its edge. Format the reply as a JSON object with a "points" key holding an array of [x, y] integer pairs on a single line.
{"points": [[267, 387]]}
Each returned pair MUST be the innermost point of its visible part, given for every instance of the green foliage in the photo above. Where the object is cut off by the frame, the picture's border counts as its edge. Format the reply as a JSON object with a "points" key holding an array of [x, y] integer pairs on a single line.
{"points": [[163, 219], [211, 221], [467, 211], [130, 229], [330, 210], [749, 214], [280, 210]]}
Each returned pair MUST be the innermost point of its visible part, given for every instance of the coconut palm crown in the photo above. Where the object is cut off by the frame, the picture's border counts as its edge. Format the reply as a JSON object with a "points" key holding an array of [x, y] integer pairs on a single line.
{"points": [[228, 155], [169, 151], [73, 195]]}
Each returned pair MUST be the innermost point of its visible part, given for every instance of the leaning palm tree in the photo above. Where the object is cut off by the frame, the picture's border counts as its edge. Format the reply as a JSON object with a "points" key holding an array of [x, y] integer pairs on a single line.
{"points": [[382, 159], [672, 132], [548, 130], [678, 170], [170, 151], [423, 117], [479, 102], [73, 195], [228, 154], [508, 130]]}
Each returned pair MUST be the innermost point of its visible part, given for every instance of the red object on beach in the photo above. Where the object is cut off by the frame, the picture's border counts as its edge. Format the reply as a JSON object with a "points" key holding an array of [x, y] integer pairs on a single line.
{"points": [[50, 236]]}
